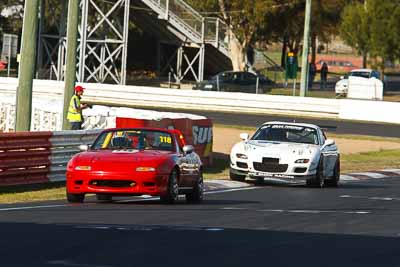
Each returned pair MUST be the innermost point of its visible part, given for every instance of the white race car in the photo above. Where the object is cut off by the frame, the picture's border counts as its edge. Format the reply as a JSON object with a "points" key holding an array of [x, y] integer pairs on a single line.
{"points": [[286, 151]]}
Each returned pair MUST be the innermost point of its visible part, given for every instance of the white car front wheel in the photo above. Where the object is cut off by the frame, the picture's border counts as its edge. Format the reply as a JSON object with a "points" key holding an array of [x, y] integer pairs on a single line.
{"points": [[236, 177], [319, 180]]}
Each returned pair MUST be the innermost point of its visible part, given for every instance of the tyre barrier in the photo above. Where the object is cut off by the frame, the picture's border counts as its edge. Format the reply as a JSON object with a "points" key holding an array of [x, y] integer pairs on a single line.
{"points": [[39, 157]]}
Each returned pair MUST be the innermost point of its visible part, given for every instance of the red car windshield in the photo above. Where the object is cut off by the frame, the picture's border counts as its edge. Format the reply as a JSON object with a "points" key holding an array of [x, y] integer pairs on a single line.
{"points": [[135, 139]]}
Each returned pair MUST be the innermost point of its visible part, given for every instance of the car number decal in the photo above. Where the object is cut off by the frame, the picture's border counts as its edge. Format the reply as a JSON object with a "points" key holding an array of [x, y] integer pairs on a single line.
{"points": [[166, 139], [126, 151]]}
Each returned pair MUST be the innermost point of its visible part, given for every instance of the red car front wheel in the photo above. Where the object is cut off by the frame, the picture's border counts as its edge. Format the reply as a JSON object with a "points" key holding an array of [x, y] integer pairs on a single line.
{"points": [[75, 198], [173, 190]]}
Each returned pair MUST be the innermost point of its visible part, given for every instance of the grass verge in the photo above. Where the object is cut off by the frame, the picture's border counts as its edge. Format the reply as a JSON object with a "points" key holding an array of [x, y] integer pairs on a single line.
{"points": [[369, 161], [31, 193]]}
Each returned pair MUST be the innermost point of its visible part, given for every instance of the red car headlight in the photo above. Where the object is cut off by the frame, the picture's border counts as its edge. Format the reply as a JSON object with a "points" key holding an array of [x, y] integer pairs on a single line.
{"points": [[83, 168]]}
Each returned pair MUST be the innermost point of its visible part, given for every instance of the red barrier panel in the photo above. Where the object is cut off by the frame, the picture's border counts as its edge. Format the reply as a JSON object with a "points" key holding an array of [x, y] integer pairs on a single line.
{"points": [[196, 132], [202, 133], [24, 157], [126, 123]]}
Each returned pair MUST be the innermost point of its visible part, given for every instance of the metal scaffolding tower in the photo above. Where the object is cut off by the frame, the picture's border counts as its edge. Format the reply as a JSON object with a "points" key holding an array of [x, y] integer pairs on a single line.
{"points": [[194, 31], [103, 42], [185, 62], [52, 43], [103, 38]]}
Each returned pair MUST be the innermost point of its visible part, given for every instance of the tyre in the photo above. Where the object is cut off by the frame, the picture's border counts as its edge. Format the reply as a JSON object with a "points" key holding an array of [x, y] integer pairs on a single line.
{"points": [[309, 182], [104, 197], [173, 190], [75, 198], [196, 196], [260, 181], [319, 180], [334, 181], [237, 177]]}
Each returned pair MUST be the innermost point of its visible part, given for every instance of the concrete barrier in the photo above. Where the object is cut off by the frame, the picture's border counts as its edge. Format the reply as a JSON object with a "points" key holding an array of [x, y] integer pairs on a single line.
{"points": [[364, 110], [217, 101], [184, 99]]}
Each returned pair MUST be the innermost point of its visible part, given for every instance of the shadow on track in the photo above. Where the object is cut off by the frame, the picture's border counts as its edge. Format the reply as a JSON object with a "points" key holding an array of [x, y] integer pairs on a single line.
{"points": [[180, 202], [49, 245], [344, 185]]}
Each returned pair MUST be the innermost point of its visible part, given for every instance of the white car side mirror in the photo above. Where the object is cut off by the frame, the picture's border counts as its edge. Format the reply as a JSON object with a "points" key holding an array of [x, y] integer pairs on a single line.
{"points": [[329, 142], [83, 148], [244, 136], [341, 77]]}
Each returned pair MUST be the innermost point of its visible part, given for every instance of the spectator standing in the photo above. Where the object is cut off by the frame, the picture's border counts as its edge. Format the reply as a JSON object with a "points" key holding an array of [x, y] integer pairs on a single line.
{"points": [[74, 115], [311, 74], [324, 75]]}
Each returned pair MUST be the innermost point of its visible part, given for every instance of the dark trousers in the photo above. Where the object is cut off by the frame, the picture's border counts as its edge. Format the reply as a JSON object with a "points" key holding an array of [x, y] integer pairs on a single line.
{"points": [[323, 84], [76, 125], [311, 81]]}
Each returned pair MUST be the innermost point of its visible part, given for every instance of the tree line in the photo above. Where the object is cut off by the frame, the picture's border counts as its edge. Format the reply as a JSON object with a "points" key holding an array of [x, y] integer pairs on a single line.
{"points": [[371, 27]]}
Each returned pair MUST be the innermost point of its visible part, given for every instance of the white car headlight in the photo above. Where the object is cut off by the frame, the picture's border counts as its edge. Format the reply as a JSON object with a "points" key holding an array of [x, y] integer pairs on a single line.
{"points": [[241, 156]]}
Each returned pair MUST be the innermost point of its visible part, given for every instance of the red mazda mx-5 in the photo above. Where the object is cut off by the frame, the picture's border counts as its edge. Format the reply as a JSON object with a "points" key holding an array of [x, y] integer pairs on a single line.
{"points": [[139, 161]]}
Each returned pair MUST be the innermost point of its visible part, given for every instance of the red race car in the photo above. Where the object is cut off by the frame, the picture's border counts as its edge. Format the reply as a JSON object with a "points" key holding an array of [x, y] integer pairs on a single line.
{"points": [[136, 161]]}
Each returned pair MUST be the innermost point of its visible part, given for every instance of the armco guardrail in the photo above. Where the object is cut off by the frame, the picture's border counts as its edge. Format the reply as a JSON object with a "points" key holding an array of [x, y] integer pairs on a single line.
{"points": [[39, 157], [377, 111], [16, 149]]}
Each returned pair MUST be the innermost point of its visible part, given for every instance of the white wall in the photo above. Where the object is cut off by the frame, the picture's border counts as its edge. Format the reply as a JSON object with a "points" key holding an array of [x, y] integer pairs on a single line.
{"points": [[368, 110], [376, 111]]}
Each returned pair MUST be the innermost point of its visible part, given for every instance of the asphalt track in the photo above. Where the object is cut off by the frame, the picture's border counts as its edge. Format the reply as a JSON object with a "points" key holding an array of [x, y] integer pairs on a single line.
{"points": [[255, 120], [356, 224]]}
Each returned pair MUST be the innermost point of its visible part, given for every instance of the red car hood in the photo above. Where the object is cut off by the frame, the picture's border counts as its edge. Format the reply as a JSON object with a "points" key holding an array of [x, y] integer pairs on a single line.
{"points": [[120, 160]]}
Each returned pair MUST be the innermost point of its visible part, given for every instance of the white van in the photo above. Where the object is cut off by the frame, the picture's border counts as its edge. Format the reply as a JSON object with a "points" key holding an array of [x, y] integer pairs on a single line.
{"points": [[361, 84]]}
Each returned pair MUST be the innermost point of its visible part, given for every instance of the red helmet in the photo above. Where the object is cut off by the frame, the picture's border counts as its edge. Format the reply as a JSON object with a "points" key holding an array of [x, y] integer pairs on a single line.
{"points": [[79, 88]]}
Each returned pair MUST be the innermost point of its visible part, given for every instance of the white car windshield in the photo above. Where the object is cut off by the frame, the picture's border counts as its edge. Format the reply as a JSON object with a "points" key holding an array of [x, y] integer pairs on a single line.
{"points": [[286, 133], [362, 74]]}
